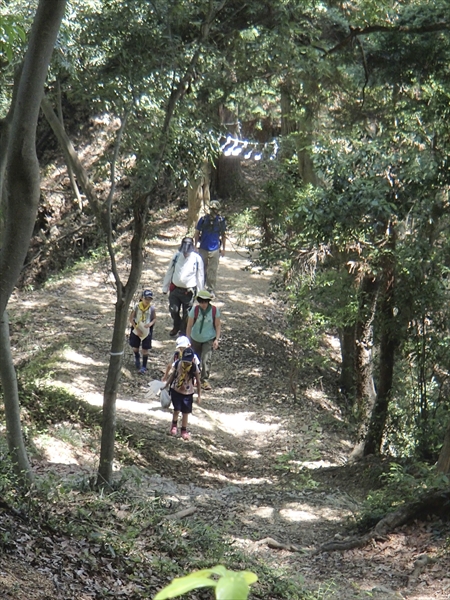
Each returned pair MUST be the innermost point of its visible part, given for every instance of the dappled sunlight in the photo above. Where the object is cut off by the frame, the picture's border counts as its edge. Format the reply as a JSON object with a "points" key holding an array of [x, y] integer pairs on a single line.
{"points": [[241, 423], [316, 464], [319, 397], [242, 298], [230, 479], [65, 446], [295, 514], [54, 450], [264, 512], [72, 356]]}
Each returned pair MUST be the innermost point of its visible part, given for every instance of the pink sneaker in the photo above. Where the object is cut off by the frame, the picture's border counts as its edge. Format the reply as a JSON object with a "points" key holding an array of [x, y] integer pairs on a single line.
{"points": [[185, 435], [174, 430]]}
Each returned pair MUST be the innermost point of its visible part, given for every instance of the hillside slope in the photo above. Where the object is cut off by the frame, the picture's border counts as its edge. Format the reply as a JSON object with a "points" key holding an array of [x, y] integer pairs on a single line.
{"points": [[260, 466]]}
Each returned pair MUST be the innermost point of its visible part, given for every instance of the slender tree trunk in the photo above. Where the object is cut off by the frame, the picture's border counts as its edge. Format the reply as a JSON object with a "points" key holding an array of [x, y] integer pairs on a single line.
{"points": [[364, 386], [227, 173], [110, 390], [347, 337], [198, 195], [299, 130], [228, 176], [20, 192], [71, 158], [73, 181], [22, 166], [16, 443], [388, 344], [124, 297], [443, 463], [288, 125]]}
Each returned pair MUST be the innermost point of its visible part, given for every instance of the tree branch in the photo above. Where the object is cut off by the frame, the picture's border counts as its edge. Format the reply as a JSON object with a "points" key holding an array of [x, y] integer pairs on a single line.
{"points": [[358, 31]]}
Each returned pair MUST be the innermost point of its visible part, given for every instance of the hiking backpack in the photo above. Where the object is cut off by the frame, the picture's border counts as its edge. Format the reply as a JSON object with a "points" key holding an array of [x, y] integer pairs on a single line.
{"points": [[197, 310]]}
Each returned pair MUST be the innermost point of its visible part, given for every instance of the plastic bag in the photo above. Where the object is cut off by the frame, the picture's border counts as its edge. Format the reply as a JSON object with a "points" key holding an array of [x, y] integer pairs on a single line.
{"points": [[155, 387], [165, 398]]}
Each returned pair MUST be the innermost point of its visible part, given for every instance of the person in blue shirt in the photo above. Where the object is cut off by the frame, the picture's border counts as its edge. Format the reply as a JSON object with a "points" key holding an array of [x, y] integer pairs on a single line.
{"points": [[210, 233]]}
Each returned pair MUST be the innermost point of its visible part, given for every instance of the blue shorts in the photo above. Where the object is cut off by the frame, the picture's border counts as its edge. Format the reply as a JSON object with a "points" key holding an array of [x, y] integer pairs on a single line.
{"points": [[182, 403], [135, 341]]}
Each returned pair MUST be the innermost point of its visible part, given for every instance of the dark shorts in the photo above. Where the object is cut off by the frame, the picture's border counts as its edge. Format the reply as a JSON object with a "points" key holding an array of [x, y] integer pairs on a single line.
{"points": [[135, 341], [181, 403]]}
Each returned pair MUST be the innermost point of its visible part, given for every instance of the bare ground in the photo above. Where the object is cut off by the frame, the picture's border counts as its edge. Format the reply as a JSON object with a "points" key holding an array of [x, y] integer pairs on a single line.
{"points": [[264, 463]]}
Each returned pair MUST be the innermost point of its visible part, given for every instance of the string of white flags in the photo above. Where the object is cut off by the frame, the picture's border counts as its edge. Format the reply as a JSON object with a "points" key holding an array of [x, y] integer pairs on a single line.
{"points": [[249, 150]]}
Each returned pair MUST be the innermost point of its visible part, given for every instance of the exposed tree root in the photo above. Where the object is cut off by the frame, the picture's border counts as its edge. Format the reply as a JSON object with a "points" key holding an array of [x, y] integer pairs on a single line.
{"points": [[433, 503]]}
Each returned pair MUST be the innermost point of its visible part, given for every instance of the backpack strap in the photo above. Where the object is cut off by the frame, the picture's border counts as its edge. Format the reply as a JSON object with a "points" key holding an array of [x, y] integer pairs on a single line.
{"points": [[197, 310], [174, 262], [222, 225]]}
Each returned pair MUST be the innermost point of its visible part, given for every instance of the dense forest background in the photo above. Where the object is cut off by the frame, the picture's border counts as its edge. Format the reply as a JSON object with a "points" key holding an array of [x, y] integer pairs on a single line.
{"points": [[342, 110]]}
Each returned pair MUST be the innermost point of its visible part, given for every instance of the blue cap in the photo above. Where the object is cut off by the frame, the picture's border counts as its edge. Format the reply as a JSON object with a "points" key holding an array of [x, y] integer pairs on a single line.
{"points": [[147, 294], [188, 355]]}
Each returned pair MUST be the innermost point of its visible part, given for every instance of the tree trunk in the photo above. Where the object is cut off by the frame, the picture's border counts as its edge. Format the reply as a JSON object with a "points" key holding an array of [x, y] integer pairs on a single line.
{"points": [[22, 166], [388, 344], [105, 469], [443, 463], [71, 157], [347, 379], [288, 125], [124, 293], [299, 131], [198, 195], [364, 386], [227, 173], [16, 443], [73, 182], [20, 192], [228, 176]]}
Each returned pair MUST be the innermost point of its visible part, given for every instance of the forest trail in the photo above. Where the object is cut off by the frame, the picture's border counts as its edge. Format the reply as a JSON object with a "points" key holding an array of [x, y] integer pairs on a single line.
{"points": [[260, 464]]}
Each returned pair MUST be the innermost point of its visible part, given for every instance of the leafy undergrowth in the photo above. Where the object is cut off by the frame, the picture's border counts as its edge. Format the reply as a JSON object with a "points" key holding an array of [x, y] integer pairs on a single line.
{"points": [[119, 544], [263, 462]]}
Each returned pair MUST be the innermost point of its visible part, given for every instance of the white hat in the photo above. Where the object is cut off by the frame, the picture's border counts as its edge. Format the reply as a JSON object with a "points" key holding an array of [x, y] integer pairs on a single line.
{"points": [[183, 342]]}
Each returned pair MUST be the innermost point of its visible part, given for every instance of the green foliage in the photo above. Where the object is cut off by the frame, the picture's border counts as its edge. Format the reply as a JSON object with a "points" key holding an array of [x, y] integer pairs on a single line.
{"points": [[50, 404], [403, 483], [230, 584], [10, 33]]}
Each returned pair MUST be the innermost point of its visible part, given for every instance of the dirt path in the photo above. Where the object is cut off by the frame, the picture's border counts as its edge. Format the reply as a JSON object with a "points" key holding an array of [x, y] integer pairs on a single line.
{"points": [[264, 464]]}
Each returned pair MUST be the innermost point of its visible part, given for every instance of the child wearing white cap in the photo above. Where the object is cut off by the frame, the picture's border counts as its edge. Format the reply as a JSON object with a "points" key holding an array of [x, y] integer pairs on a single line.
{"points": [[182, 343]]}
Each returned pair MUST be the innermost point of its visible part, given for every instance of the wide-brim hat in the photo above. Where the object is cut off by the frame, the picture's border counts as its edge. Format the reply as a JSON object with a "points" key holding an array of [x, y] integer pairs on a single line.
{"points": [[205, 295]]}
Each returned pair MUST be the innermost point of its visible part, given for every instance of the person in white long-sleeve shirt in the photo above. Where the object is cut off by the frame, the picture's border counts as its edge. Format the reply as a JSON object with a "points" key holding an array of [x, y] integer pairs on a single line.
{"points": [[184, 276]]}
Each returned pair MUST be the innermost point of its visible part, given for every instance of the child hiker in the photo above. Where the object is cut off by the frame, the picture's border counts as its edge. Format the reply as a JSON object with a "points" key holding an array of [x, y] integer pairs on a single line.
{"points": [[142, 319], [181, 384], [182, 343]]}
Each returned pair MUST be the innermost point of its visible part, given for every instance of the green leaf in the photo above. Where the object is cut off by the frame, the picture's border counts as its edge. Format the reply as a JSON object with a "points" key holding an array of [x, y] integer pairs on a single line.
{"points": [[182, 585], [232, 585], [249, 577]]}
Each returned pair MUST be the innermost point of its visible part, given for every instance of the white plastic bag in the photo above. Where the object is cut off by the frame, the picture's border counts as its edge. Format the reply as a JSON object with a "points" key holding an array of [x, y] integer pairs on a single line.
{"points": [[155, 387], [165, 398]]}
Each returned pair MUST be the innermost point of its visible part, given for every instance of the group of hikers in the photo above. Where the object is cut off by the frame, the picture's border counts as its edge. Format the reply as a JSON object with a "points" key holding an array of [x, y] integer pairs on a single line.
{"points": [[191, 276]]}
